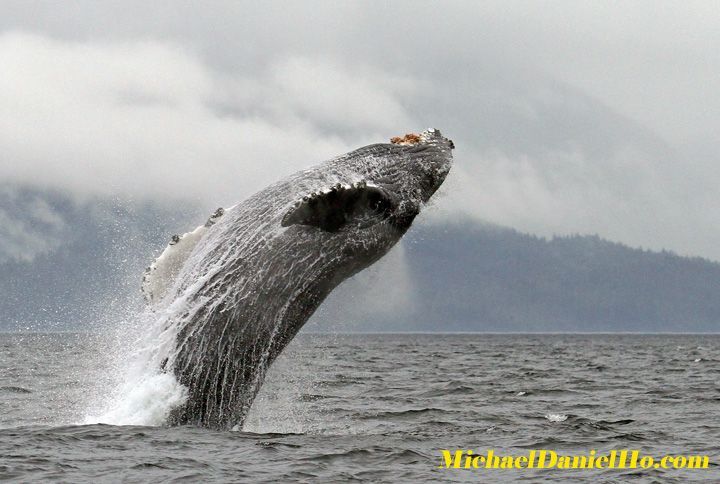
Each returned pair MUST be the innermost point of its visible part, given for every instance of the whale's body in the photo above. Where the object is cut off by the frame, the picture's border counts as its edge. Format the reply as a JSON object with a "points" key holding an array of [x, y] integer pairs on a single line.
{"points": [[235, 291]]}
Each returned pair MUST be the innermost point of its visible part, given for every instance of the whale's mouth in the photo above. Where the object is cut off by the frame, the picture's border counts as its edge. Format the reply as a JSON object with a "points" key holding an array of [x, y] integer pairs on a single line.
{"points": [[360, 204]]}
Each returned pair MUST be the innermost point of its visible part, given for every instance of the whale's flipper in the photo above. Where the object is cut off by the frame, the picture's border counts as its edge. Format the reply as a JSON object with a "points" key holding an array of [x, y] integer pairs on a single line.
{"points": [[161, 274], [332, 209]]}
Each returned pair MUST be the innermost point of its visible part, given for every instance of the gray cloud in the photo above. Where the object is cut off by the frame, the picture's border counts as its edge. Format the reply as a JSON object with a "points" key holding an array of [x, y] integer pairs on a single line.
{"points": [[567, 117], [29, 227]]}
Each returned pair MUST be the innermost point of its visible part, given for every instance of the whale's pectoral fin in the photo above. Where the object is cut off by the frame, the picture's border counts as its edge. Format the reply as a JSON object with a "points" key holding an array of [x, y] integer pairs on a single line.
{"points": [[341, 205], [161, 274]]}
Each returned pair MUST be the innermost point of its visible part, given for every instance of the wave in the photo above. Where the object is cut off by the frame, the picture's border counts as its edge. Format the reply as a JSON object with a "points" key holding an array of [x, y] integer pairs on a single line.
{"points": [[12, 389]]}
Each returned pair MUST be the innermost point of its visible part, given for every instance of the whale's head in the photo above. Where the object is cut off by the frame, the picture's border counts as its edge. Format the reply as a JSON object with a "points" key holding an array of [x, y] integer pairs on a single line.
{"points": [[379, 188]]}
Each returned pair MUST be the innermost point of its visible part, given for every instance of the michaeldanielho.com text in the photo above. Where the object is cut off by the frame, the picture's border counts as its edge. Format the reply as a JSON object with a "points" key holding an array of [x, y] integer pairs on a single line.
{"points": [[549, 459]]}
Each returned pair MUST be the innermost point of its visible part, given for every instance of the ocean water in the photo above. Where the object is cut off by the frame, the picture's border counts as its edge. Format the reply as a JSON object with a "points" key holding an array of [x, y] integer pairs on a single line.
{"points": [[378, 408]]}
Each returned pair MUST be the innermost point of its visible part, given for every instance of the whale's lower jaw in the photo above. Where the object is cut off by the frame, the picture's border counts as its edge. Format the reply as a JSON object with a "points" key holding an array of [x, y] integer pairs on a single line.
{"points": [[237, 290]]}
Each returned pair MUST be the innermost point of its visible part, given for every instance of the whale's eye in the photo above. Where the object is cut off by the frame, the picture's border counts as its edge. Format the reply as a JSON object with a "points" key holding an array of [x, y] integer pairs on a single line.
{"points": [[342, 205]]}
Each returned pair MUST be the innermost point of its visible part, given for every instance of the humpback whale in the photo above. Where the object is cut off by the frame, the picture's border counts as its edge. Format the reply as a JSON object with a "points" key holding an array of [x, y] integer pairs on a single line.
{"points": [[235, 291]]}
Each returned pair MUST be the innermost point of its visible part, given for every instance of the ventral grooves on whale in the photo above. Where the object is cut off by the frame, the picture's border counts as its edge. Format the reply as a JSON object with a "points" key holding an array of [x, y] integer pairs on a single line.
{"points": [[234, 292]]}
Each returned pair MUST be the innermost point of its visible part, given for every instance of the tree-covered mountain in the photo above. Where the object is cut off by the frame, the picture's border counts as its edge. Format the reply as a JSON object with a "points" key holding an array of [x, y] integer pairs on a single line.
{"points": [[479, 277]]}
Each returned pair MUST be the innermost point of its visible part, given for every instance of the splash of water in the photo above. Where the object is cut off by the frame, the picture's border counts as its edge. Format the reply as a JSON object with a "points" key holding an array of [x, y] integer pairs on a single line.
{"points": [[138, 392]]}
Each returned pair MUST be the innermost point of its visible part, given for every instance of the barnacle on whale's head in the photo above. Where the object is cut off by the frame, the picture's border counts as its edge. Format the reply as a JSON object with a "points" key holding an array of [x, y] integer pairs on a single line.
{"points": [[407, 140]]}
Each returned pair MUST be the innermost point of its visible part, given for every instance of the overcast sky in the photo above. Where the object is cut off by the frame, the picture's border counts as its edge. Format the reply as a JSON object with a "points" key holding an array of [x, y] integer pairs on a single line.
{"points": [[567, 116]]}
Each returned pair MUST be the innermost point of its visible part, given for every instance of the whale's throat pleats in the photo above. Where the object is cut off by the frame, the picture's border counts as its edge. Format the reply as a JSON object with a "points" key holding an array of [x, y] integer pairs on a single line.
{"points": [[331, 210]]}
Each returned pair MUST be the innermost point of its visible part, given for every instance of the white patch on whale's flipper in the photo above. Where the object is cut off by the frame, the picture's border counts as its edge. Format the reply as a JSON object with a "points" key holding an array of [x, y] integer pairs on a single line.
{"points": [[162, 272]]}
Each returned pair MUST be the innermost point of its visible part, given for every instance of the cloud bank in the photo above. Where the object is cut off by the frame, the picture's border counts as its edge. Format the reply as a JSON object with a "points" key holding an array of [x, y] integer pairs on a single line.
{"points": [[147, 119]]}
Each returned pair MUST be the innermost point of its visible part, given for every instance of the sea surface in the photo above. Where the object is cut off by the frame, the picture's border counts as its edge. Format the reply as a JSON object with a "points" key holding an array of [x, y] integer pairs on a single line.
{"points": [[378, 408]]}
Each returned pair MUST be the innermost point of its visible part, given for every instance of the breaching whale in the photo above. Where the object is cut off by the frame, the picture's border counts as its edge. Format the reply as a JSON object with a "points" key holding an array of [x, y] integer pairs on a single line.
{"points": [[235, 291]]}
